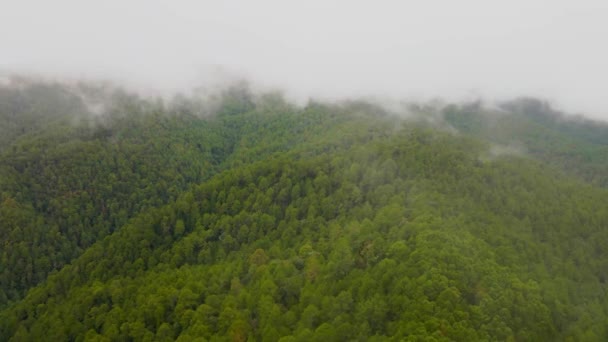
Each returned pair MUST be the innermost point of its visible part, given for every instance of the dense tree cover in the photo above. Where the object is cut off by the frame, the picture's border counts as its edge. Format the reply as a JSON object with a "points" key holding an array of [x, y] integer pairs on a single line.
{"points": [[327, 222], [28, 107], [575, 145], [65, 187], [82, 180]]}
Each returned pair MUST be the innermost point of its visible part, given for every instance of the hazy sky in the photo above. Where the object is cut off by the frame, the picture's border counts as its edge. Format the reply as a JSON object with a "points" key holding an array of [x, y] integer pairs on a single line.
{"points": [[455, 49]]}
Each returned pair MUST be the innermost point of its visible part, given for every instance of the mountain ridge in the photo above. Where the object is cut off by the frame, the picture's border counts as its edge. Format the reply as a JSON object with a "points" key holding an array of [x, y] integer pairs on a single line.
{"points": [[327, 222]]}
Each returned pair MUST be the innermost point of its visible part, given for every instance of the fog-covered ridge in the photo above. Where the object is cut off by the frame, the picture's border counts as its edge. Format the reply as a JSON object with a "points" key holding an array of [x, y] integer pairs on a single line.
{"points": [[239, 213]]}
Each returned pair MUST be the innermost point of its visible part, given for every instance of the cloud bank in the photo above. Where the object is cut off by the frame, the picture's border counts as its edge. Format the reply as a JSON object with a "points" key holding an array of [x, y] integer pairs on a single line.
{"points": [[400, 49]]}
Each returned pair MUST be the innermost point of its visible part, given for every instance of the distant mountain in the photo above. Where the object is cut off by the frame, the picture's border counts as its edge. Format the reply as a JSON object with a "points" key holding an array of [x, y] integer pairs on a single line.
{"points": [[242, 216]]}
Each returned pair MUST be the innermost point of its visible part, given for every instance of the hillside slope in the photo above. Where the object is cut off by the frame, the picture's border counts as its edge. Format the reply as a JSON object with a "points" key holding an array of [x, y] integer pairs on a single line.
{"points": [[575, 145], [328, 222]]}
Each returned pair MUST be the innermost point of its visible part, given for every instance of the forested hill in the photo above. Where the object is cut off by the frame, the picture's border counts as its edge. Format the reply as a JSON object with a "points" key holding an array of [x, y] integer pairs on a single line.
{"points": [[573, 144], [243, 217]]}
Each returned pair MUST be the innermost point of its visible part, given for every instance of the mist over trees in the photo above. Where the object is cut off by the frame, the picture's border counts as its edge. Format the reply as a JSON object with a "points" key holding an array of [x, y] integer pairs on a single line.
{"points": [[241, 216]]}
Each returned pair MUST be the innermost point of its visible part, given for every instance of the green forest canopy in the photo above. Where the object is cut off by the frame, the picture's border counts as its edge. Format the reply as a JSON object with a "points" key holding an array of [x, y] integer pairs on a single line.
{"points": [[242, 216]]}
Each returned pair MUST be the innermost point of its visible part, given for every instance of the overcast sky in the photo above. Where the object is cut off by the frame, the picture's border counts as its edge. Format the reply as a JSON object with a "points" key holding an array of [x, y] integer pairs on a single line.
{"points": [[411, 49]]}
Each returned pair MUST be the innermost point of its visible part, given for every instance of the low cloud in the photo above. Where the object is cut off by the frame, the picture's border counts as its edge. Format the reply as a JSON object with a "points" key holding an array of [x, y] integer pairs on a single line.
{"points": [[397, 49]]}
